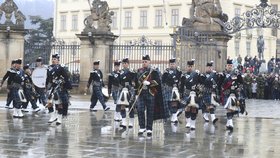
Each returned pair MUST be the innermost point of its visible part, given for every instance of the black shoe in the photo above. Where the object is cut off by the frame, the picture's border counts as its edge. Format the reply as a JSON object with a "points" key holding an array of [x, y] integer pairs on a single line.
{"points": [[230, 128], [58, 123], [149, 134], [205, 120], [123, 126], [130, 126], [192, 129], [24, 110], [141, 133], [106, 108], [215, 120], [179, 113], [92, 110]]}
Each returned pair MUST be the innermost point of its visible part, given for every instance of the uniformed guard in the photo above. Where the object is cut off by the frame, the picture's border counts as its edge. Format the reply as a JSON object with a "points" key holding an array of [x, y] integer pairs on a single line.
{"points": [[41, 91], [6, 76], [17, 78], [58, 83], [210, 100], [170, 81], [189, 93], [114, 88], [29, 91], [96, 79], [127, 93], [148, 80], [230, 87]]}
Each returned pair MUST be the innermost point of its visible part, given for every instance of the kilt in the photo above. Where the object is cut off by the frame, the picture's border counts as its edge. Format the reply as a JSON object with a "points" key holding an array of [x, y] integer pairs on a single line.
{"points": [[145, 101], [115, 94], [166, 95], [207, 98], [30, 98], [64, 98], [97, 95], [162, 98], [15, 97]]}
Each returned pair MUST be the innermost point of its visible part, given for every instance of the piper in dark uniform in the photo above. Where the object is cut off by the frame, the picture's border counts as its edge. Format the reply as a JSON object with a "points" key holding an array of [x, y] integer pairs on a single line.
{"points": [[29, 91], [17, 79], [148, 80], [188, 90], [6, 76], [170, 81], [114, 87], [231, 82], [58, 83], [209, 81], [96, 79], [127, 93]]}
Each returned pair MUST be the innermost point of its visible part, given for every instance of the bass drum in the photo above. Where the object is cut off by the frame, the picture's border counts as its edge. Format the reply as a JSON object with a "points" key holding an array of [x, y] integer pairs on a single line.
{"points": [[39, 77], [104, 92]]}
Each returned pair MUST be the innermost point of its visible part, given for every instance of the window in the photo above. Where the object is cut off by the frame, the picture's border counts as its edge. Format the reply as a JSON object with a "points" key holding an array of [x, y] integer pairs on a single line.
{"points": [[236, 47], [274, 31], [143, 18], [237, 11], [114, 20], [248, 48], [63, 22], [74, 22], [127, 19], [175, 17], [158, 18]]}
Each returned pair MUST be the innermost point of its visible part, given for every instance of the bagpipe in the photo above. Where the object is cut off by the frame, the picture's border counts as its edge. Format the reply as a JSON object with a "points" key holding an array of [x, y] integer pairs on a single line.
{"points": [[52, 93], [238, 105], [140, 88]]}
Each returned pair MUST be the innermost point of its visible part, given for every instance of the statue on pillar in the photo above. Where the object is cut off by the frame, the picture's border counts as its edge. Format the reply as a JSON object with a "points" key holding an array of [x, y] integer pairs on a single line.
{"points": [[20, 18], [206, 13], [1, 13], [100, 13], [8, 7], [260, 45]]}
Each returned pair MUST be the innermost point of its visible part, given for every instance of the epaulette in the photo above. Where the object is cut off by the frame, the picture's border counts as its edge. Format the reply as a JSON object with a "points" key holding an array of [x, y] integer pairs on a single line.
{"points": [[166, 70], [132, 70], [13, 71]]}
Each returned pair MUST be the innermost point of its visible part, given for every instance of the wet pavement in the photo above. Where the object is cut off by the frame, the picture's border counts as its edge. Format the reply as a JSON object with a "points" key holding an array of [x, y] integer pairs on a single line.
{"points": [[95, 134]]}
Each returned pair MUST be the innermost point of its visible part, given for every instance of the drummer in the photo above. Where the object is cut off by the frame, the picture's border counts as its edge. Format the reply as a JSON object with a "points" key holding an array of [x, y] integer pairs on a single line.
{"points": [[96, 79], [41, 89]]}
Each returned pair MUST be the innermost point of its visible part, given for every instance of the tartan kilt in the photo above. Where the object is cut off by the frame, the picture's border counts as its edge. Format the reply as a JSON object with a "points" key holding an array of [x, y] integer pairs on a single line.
{"points": [[115, 94], [15, 97], [63, 96], [207, 98], [161, 108]]}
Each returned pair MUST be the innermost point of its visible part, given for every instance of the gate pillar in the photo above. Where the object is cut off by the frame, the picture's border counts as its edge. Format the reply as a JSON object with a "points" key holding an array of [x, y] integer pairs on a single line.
{"points": [[11, 35], [94, 47]]}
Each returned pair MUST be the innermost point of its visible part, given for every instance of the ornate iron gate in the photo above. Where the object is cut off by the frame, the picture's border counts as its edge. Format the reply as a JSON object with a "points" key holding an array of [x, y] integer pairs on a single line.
{"points": [[160, 54], [69, 57]]}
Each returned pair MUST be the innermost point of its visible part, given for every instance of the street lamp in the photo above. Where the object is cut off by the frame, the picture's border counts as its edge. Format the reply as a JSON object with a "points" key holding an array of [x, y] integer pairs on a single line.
{"points": [[8, 30], [90, 37]]}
